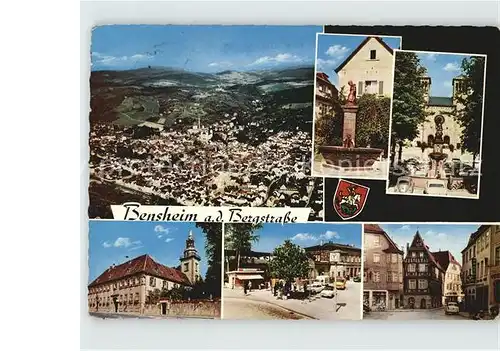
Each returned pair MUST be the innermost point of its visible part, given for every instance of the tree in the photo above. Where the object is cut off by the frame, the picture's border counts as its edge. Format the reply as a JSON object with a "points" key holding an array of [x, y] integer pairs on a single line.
{"points": [[470, 104], [372, 121], [408, 105], [240, 237], [289, 262], [213, 249]]}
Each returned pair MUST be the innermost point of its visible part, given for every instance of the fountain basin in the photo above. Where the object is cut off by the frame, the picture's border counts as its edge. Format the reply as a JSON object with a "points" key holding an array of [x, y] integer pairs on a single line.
{"points": [[345, 158], [438, 156]]}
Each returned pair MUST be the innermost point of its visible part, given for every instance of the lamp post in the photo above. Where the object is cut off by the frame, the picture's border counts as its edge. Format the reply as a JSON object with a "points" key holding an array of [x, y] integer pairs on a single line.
{"points": [[335, 258]]}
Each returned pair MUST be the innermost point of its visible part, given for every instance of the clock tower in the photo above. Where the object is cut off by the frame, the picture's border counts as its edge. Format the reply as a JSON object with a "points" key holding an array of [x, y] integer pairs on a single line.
{"points": [[190, 261]]}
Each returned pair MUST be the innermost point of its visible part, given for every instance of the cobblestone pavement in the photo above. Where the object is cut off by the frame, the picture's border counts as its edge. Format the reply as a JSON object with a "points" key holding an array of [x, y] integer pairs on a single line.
{"points": [[435, 314], [349, 303]]}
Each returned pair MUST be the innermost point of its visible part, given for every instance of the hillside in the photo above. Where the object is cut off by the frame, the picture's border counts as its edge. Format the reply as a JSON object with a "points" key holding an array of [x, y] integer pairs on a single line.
{"points": [[282, 99]]}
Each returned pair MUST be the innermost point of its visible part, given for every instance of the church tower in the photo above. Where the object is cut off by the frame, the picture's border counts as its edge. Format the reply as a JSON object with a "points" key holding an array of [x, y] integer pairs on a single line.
{"points": [[190, 261]]}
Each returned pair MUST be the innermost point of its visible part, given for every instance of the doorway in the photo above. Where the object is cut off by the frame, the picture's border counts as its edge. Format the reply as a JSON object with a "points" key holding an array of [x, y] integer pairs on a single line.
{"points": [[411, 302], [115, 302], [422, 304], [163, 308]]}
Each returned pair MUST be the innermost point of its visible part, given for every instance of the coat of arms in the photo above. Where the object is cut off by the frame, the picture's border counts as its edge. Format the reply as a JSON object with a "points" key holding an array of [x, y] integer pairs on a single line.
{"points": [[349, 199]]}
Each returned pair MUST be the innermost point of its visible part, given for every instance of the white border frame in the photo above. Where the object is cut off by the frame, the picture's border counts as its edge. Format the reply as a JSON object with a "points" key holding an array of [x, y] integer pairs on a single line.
{"points": [[482, 127], [347, 176]]}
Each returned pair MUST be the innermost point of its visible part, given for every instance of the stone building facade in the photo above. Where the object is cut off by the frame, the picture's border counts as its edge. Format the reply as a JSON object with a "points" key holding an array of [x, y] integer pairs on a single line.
{"points": [[370, 66], [446, 107], [334, 260], [476, 269], [423, 276], [495, 266], [382, 270], [129, 287], [326, 96]]}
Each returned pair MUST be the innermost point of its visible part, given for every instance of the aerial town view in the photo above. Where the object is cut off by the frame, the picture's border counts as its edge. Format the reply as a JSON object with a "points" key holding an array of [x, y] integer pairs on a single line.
{"points": [[353, 90], [431, 271], [436, 128], [292, 271], [202, 116], [151, 270]]}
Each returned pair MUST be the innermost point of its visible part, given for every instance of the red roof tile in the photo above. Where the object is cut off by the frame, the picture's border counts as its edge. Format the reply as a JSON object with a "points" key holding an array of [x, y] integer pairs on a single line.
{"points": [[445, 258], [142, 264]]}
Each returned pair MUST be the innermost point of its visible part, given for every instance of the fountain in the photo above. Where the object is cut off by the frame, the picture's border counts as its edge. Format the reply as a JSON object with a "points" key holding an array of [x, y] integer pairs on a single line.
{"points": [[348, 157], [437, 156]]}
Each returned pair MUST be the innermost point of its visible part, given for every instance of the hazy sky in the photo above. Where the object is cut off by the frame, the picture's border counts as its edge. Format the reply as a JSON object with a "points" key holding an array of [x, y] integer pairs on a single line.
{"points": [[203, 48], [111, 241]]}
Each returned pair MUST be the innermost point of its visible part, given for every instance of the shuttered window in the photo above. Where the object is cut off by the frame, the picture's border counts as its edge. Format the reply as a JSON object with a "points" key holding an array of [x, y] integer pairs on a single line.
{"points": [[381, 88], [360, 88]]}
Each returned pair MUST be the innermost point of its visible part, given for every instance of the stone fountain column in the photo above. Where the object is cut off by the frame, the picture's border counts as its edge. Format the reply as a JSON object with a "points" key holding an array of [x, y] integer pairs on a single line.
{"points": [[437, 156], [349, 129]]}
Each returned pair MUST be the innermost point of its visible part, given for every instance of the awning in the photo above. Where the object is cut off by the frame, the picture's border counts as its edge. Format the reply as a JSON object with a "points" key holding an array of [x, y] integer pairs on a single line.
{"points": [[249, 276]]}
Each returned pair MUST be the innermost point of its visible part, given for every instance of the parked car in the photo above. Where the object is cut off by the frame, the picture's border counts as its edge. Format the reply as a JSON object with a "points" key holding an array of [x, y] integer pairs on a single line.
{"points": [[451, 308], [316, 287], [328, 291], [435, 187], [356, 279], [404, 185], [340, 283]]}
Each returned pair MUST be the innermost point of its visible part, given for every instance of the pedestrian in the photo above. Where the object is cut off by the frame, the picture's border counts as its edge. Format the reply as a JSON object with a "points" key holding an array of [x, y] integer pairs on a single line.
{"points": [[249, 286], [244, 288]]}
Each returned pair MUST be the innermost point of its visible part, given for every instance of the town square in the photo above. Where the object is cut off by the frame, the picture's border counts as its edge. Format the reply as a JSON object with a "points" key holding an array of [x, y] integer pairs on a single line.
{"points": [[292, 271], [431, 271], [436, 126]]}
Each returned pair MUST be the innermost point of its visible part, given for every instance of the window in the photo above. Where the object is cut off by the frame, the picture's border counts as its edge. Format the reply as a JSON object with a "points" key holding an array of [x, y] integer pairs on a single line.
{"points": [[497, 256], [413, 254], [487, 239], [421, 254], [376, 277], [371, 87], [196, 267], [388, 258], [411, 267], [152, 281], [394, 258], [376, 258], [412, 284], [422, 267], [186, 266], [165, 284], [422, 284], [400, 277], [373, 54], [360, 92], [381, 88]]}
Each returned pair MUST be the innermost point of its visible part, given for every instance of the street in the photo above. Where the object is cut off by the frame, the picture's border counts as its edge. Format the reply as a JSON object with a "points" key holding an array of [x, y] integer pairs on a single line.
{"points": [[243, 308], [261, 304], [451, 193], [406, 315]]}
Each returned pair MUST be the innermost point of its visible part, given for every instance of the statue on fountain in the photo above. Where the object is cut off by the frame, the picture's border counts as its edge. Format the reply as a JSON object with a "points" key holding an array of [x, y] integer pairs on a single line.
{"points": [[351, 98], [348, 142]]}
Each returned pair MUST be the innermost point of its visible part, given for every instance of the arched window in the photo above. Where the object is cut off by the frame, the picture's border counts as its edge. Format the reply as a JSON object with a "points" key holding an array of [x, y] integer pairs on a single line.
{"points": [[430, 140], [446, 139]]}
